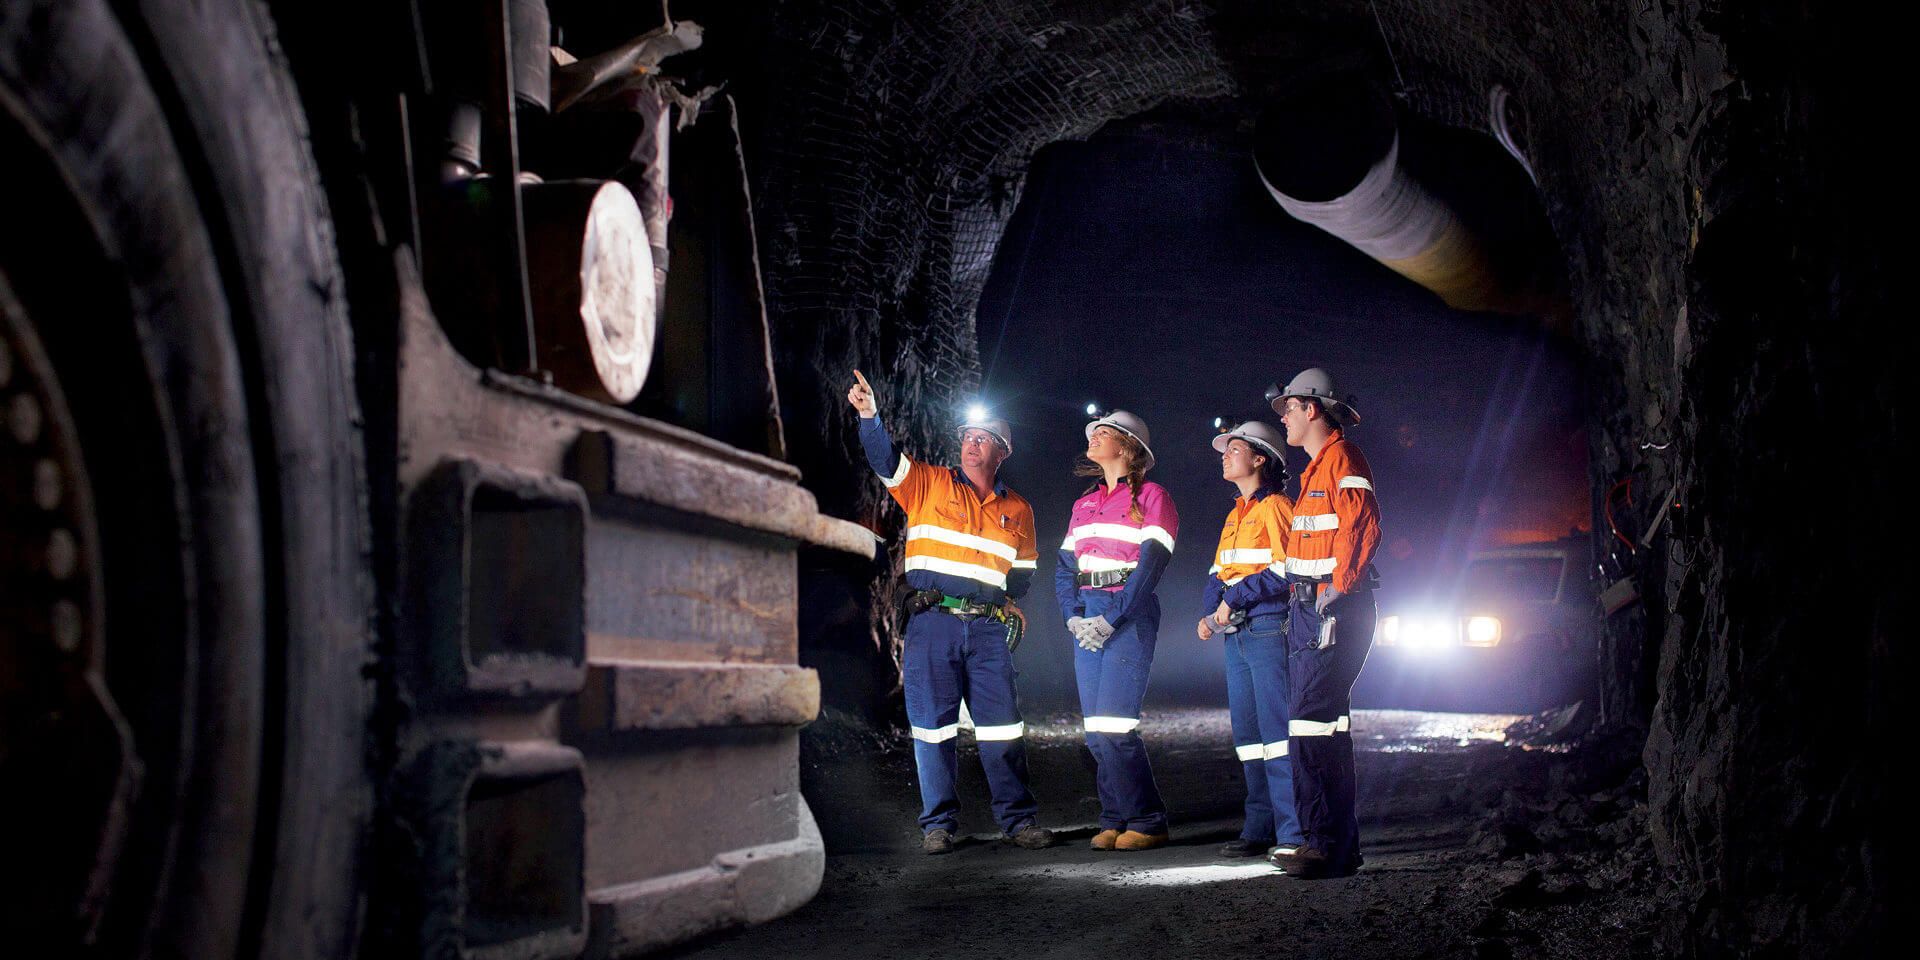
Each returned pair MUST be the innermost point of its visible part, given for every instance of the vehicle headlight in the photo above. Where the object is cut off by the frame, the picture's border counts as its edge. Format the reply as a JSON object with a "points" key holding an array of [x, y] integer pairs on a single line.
{"points": [[1427, 633], [1481, 631]]}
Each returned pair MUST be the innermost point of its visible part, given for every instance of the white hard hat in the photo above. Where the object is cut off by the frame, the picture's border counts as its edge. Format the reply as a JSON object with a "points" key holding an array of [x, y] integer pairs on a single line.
{"points": [[1130, 425], [1313, 383], [993, 425], [1263, 438]]}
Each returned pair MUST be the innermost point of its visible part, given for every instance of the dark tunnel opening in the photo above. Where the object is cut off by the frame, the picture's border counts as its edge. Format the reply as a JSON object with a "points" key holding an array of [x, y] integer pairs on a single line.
{"points": [[1147, 269]]}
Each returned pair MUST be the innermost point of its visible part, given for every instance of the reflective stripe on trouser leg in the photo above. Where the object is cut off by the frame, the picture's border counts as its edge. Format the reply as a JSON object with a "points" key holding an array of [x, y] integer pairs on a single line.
{"points": [[1263, 645], [998, 729], [1321, 743], [1257, 810], [1113, 681], [933, 676]]}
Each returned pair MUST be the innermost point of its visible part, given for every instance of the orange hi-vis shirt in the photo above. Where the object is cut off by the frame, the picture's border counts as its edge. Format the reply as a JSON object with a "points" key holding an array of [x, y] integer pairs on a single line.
{"points": [[1253, 539], [959, 543], [1336, 518]]}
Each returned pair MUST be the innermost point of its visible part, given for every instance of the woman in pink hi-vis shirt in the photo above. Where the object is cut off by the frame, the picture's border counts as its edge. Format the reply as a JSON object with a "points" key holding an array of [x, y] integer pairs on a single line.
{"points": [[1118, 543]]}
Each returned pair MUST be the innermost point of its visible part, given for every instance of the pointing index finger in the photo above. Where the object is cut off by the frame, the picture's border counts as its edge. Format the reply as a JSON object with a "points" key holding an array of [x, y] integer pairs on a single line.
{"points": [[863, 381]]}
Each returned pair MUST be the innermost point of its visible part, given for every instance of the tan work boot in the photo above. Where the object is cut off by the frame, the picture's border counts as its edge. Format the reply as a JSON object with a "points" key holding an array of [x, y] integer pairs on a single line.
{"points": [[1104, 839], [1135, 840]]}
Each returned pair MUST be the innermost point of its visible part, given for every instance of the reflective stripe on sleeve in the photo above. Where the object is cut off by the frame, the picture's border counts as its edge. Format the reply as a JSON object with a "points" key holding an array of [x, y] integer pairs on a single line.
{"points": [[899, 473], [1273, 751], [1213, 570], [1316, 521], [970, 571], [1112, 724], [1026, 564], [1248, 751], [1317, 728], [1310, 568], [1067, 544], [928, 531], [936, 735], [1231, 557], [1004, 731], [1351, 482]]}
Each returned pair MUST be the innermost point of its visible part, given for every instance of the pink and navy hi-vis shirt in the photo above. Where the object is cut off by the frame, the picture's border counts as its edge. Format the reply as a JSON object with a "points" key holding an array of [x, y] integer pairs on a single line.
{"points": [[1103, 536]]}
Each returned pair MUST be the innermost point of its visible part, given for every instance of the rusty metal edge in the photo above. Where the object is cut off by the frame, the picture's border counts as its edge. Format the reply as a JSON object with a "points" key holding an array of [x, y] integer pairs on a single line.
{"points": [[746, 886], [634, 695], [729, 467], [615, 416], [639, 468]]}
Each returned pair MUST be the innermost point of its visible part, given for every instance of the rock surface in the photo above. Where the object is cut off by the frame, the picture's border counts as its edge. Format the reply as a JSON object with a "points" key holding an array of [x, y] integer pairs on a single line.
{"points": [[1713, 174]]}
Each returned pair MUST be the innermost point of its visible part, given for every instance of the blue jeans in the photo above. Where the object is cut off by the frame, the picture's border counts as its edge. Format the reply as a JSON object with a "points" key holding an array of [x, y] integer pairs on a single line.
{"points": [[1257, 693], [948, 659], [1113, 681]]}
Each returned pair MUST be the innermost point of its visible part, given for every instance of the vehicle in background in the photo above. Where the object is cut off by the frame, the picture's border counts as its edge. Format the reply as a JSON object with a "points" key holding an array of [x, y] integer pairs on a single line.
{"points": [[1514, 631]]}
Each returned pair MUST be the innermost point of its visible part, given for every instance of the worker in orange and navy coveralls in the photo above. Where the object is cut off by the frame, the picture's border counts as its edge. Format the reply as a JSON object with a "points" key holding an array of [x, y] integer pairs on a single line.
{"points": [[1336, 528], [970, 553], [1245, 607]]}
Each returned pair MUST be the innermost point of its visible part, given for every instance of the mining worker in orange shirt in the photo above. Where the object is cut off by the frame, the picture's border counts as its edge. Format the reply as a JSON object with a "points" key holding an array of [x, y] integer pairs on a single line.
{"points": [[1329, 565], [970, 553]]}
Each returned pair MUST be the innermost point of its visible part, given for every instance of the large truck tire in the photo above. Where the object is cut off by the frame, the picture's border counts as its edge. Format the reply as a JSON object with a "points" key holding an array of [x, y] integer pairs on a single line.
{"points": [[184, 746]]}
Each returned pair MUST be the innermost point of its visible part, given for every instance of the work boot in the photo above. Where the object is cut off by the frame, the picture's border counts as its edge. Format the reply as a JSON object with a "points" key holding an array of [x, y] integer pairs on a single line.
{"points": [[1308, 863], [1135, 840], [1242, 847], [1104, 839], [936, 841], [1032, 837]]}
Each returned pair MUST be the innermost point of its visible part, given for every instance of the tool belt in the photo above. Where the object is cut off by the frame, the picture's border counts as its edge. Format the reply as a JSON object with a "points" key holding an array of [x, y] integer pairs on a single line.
{"points": [[1307, 590], [1102, 578], [921, 601]]}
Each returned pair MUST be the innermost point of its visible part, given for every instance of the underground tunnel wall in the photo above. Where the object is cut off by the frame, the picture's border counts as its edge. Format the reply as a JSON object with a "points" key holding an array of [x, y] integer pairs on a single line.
{"points": [[1709, 178]]}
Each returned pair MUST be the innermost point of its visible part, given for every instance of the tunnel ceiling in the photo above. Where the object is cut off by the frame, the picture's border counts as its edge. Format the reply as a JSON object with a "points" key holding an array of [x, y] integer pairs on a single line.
{"points": [[897, 135], [1706, 174]]}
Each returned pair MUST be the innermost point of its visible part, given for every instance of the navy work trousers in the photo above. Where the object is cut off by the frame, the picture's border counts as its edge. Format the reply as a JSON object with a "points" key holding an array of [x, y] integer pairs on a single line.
{"points": [[947, 660], [1113, 681], [1257, 701], [1319, 730]]}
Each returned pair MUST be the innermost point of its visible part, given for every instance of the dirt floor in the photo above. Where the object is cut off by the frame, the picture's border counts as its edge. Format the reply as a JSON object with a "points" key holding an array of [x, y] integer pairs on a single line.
{"points": [[1476, 847]]}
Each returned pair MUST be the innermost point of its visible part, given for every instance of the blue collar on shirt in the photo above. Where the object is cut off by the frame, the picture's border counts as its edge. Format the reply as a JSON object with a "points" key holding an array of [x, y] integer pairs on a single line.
{"points": [[960, 477]]}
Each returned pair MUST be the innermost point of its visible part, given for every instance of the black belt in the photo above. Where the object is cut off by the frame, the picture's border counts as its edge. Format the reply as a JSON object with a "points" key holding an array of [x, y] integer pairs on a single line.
{"points": [[1102, 578], [1308, 590]]}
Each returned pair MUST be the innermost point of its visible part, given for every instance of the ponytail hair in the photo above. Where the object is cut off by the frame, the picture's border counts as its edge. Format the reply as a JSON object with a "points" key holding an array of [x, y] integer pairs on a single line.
{"points": [[1273, 473], [1136, 473]]}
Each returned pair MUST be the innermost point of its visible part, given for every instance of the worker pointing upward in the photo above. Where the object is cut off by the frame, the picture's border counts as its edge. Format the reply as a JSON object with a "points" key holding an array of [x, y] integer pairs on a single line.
{"points": [[969, 554]]}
